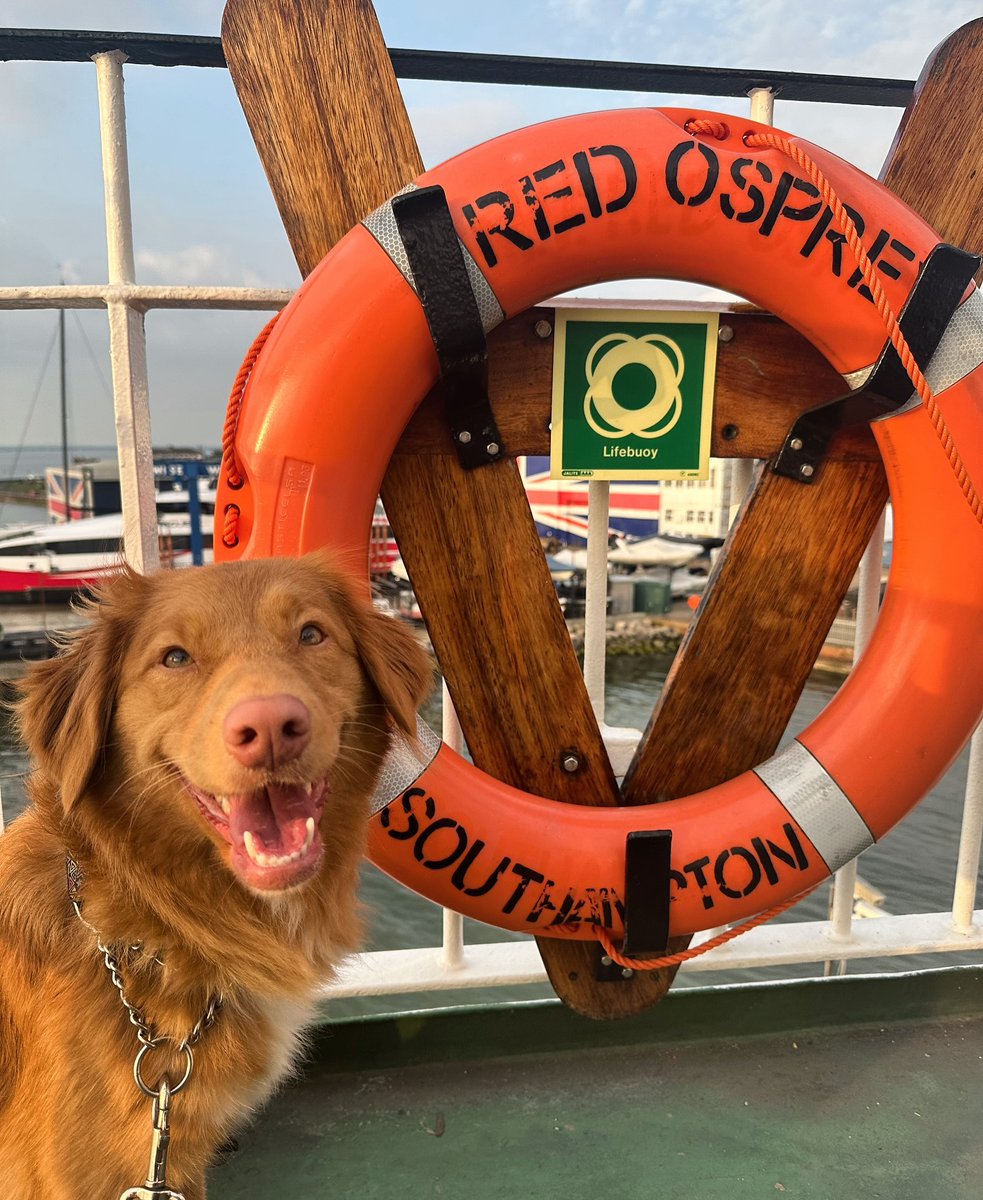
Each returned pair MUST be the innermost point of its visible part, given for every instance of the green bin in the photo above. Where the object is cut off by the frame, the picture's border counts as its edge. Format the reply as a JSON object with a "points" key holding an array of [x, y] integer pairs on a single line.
{"points": [[653, 596]]}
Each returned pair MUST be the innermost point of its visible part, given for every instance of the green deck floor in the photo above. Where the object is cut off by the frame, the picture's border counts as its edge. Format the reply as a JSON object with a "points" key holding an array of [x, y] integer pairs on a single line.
{"points": [[864, 1089]]}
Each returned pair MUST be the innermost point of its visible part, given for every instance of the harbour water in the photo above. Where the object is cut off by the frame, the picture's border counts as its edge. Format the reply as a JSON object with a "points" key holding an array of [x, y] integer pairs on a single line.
{"points": [[21, 462]]}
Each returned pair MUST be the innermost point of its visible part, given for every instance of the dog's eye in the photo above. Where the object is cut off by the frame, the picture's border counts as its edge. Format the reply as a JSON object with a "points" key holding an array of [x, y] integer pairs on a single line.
{"points": [[310, 635], [177, 656]]}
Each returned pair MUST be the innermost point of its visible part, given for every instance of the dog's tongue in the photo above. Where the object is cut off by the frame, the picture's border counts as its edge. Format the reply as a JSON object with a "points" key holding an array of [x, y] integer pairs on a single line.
{"points": [[277, 816]]}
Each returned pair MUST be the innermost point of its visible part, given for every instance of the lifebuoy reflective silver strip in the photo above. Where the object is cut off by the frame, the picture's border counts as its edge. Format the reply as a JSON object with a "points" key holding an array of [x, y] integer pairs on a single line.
{"points": [[403, 765], [382, 225], [961, 350], [959, 354], [813, 799]]}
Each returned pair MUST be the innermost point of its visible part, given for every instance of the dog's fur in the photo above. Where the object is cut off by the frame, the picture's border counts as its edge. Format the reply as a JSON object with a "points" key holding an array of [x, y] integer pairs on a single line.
{"points": [[118, 736]]}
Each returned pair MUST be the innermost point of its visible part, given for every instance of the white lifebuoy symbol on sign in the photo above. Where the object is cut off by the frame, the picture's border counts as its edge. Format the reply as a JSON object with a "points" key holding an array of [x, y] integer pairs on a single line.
{"points": [[663, 358]]}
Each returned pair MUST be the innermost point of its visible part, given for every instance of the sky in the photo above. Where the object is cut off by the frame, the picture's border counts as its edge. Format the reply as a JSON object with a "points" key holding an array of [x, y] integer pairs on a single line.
{"points": [[202, 210]]}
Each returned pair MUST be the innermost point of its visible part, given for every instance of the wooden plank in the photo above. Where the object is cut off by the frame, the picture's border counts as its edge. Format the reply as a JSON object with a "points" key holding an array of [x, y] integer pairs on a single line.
{"points": [[317, 87], [717, 728], [316, 84], [765, 613], [755, 362], [951, 199], [476, 597], [934, 164]]}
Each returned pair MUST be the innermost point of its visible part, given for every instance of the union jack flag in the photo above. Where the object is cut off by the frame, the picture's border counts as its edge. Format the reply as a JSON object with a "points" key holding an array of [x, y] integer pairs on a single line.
{"points": [[56, 493], [559, 506]]}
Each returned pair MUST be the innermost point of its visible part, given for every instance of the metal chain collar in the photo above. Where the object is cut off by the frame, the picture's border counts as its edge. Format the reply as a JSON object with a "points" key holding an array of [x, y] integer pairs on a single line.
{"points": [[145, 1032]]}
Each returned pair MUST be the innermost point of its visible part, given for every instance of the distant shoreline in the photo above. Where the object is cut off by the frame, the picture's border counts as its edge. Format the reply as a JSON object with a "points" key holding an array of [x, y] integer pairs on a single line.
{"points": [[24, 491]]}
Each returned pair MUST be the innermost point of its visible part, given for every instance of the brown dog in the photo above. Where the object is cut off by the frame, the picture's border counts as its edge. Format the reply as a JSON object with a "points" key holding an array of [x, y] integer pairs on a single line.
{"points": [[206, 748]]}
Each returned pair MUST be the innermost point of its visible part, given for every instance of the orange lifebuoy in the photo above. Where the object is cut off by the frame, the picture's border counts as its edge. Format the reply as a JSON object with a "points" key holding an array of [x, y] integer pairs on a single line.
{"points": [[566, 204]]}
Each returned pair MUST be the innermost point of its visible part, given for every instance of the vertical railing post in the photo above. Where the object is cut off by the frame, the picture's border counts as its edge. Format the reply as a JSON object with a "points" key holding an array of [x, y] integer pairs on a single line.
{"points": [[970, 838], [452, 940], [868, 603], [742, 469], [596, 602], [127, 339], [63, 394]]}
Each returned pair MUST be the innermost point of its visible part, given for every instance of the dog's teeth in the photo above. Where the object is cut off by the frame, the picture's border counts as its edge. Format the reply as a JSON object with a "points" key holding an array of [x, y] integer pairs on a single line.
{"points": [[308, 788], [223, 803], [262, 859]]}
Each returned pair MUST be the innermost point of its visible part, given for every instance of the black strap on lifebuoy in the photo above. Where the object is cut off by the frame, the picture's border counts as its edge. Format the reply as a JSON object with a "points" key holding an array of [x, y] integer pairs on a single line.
{"points": [[445, 291], [924, 319], [648, 859]]}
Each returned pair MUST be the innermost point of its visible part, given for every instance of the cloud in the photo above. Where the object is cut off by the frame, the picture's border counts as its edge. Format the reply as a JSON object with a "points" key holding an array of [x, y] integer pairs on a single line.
{"points": [[171, 16], [839, 37], [192, 265], [192, 360], [450, 118]]}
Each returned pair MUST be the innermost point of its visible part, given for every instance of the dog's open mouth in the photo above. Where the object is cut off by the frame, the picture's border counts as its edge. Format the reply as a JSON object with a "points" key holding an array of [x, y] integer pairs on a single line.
{"points": [[273, 831]]}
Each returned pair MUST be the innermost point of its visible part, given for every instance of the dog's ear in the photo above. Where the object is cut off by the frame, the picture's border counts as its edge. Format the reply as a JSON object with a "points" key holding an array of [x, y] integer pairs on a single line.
{"points": [[398, 667], [67, 702]]}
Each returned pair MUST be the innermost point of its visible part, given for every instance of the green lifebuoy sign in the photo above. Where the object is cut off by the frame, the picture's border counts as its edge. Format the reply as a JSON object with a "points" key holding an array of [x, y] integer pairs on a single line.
{"points": [[632, 393]]}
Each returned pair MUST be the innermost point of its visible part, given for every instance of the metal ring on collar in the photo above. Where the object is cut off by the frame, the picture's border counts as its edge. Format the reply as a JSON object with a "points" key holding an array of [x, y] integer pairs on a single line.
{"points": [[189, 1062]]}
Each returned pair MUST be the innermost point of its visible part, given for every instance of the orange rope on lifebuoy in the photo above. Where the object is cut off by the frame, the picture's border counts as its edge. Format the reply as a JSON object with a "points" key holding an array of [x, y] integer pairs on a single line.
{"points": [[846, 224], [230, 526], [714, 129], [682, 956], [230, 464]]}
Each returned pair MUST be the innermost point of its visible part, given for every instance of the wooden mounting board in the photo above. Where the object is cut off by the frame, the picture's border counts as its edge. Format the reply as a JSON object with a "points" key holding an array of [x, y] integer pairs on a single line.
{"points": [[316, 84], [753, 363]]}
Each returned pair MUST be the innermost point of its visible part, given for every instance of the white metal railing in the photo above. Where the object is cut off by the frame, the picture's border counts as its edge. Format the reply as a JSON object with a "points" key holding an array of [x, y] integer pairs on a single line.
{"points": [[453, 964]]}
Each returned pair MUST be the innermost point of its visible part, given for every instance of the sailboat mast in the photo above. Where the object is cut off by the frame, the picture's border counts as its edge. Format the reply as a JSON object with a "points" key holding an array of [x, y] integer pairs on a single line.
{"points": [[64, 415]]}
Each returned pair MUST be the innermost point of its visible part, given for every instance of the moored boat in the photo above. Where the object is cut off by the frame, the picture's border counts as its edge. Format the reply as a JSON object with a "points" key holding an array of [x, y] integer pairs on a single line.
{"points": [[72, 555], [77, 554]]}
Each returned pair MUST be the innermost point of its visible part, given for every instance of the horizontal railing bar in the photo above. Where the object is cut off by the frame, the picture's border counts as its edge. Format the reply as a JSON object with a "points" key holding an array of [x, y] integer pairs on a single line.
{"points": [[79, 45], [171, 50], [144, 296], [647, 77], [510, 964]]}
